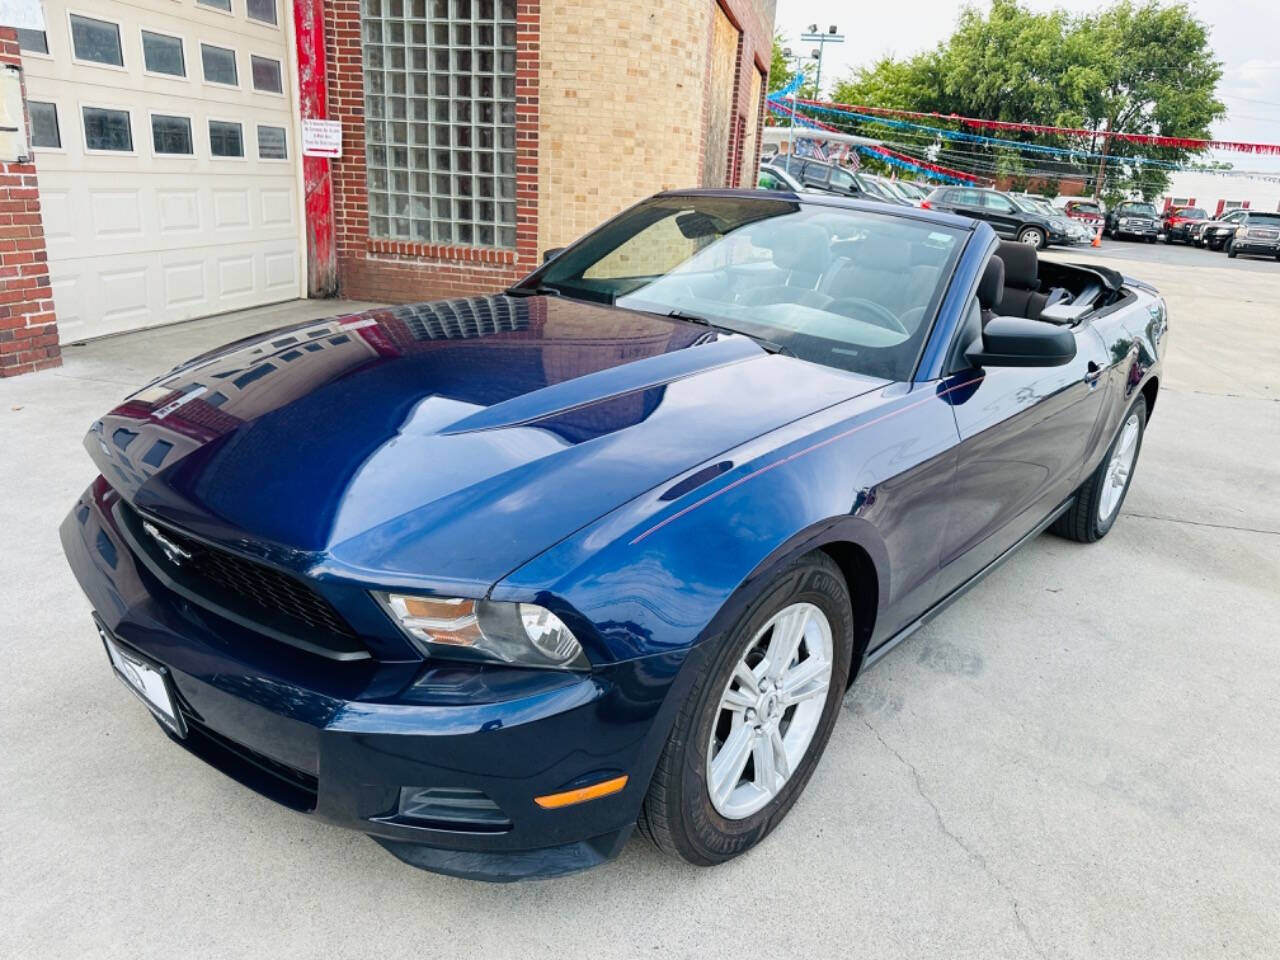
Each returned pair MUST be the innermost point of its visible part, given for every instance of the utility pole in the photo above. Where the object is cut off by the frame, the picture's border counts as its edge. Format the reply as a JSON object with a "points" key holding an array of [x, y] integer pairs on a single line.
{"points": [[791, 136], [822, 39]]}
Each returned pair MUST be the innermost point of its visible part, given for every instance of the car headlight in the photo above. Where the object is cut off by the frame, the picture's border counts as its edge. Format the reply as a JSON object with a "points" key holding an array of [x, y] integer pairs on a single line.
{"points": [[518, 633]]}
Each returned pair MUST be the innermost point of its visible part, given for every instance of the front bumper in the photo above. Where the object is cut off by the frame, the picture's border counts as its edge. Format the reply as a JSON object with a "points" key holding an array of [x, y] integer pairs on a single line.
{"points": [[339, 740], [1246, 244]]}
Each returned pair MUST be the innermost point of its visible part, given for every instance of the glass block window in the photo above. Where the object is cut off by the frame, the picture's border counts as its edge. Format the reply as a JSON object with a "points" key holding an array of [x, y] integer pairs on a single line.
{"points": [[440, 120]]}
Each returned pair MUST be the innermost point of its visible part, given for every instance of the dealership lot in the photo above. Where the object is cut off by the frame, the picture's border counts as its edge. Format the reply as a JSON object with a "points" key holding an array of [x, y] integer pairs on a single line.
{"points": [[1077, 760]]}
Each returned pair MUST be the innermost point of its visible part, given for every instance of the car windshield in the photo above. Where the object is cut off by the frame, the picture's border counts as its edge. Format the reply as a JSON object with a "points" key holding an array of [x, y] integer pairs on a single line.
{"points": [[1032, 205], [846, 288], [1088, 209], [875, 188], [912, 191], [1136, 210], [1190, 213], [843, 179]]}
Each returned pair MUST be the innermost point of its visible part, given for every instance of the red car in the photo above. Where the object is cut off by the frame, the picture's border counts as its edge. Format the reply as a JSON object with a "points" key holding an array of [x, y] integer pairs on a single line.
{"points": [[1179, 221], [1086, 211]]}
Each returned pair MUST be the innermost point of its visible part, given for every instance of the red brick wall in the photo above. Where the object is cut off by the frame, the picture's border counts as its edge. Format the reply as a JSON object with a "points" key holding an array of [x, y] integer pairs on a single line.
{"points": [[28, 329], [376, 269]]}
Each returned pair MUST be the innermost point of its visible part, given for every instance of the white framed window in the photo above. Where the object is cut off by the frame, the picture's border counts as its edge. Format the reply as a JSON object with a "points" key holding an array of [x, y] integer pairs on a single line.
{"points": [[263, 11], [95, 41], [107, 129], [222, 6], [272, 143], [219, 65], [266, 74], [226, 139], [171, 135], [45, 132], [163, 54], [33, 41]]}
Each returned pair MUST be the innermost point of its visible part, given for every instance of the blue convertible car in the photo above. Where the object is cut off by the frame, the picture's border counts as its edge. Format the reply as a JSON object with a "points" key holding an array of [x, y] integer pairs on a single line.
{"points": [[494, 580]]}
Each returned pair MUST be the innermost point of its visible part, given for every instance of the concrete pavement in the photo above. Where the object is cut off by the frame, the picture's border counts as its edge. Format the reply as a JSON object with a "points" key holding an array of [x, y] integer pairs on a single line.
{"points": [[1077, 760]]}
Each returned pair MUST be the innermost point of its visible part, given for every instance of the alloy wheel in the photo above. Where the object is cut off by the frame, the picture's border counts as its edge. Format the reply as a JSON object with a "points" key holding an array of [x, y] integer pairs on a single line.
{"points": [[1118, 470], [770, 710]]}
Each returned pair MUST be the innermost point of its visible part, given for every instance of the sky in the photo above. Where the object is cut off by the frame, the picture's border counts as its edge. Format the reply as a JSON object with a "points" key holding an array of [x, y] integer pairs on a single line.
{"points": [[1243, 34]]}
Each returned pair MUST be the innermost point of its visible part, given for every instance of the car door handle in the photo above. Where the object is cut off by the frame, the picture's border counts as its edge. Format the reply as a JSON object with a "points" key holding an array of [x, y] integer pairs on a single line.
{"points": [[1092, 373]]}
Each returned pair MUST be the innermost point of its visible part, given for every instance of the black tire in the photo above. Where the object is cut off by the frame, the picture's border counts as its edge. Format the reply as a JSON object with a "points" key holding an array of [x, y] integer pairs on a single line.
{"points": [[1033, 237], [1231, 249], [1151, 239], [1081, 523], [677, 814]]}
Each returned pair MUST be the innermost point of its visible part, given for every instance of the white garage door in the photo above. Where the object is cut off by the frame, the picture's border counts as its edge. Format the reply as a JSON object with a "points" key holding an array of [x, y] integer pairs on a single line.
{"points": [[164, 144]]}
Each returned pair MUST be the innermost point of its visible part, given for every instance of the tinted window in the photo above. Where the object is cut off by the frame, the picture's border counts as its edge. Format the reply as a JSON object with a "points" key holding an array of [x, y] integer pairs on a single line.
{"points": [[96, 41], [163, 54], [263, 11], [44, 124], [266, 74], [171, 135], [271, 143], [33, 41], [107, 129], [753, 264], [225, 139], [993, 201], [219, 64], [1264, 219], [967, 198], [816, 173]]}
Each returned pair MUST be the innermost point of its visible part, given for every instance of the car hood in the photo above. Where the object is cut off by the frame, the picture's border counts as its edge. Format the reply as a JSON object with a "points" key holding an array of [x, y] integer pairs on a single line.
{"points": [[447, 441]]}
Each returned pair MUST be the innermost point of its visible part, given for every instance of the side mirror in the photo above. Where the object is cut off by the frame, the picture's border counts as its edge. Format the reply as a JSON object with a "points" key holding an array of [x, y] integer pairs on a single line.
{"points": [[549, 255], [1017, 342]]}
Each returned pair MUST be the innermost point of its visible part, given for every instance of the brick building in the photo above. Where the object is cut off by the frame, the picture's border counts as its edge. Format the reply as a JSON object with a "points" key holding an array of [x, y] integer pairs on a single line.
{"points": [[175, 181], [479, 133]]}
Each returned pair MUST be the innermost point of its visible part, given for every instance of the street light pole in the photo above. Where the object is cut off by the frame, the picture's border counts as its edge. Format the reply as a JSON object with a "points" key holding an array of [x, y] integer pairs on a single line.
{"points": [[822, 39], [791, 136]]}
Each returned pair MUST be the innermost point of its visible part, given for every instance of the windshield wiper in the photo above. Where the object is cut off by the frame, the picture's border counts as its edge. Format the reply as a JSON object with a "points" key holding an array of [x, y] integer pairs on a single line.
{"points": [[768, 346], [541, 290]]}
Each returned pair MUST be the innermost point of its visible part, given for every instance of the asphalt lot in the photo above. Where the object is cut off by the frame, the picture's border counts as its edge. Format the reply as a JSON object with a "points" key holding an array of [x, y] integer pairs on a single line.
{"points": [[1079, 759]]}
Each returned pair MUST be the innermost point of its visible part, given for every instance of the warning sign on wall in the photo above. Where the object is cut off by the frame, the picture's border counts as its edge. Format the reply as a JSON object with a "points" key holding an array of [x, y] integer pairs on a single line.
{"points": [[321, 138]]}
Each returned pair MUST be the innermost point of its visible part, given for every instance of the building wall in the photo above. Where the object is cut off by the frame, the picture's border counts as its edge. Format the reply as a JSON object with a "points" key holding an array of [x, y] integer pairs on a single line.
{"points": [[612, 106], [621, 99], [1208, 190], [28, 328]]}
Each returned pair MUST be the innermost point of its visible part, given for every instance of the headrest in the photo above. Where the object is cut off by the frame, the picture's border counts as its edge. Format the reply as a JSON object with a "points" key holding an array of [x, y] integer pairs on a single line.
{"points": [[1021, 265], [885, 253], [991, 286], [800, 246]]}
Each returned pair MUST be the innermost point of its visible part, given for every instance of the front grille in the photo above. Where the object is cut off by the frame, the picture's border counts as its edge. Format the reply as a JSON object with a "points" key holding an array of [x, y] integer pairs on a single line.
{"points": [[250, 592]]}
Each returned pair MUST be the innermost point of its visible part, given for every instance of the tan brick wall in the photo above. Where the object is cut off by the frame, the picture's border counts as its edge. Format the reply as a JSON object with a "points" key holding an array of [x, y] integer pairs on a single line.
{"points": [[621, 107]]}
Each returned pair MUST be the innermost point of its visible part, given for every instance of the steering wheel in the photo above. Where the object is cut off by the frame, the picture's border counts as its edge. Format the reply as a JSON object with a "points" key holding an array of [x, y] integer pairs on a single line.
{"points": [[883, 316]]}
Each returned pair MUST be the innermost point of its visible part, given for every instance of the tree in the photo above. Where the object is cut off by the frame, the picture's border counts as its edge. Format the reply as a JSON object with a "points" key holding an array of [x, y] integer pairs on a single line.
{"points": [[780, 73], [1135, 68]]}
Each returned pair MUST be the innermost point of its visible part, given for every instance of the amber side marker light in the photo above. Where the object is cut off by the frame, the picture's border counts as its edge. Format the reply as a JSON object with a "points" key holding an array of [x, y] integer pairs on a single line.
{"points": [[582, 794]]}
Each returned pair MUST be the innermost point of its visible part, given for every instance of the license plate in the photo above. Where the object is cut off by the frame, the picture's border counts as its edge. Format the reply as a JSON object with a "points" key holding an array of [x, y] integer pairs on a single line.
{"points": [[147, 680]]}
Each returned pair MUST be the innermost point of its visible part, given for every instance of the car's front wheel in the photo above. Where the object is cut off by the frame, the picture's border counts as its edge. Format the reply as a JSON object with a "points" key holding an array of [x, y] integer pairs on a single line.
{"points": [[752, 730], [1231, 249], [1033, 237], [1099, 498]]}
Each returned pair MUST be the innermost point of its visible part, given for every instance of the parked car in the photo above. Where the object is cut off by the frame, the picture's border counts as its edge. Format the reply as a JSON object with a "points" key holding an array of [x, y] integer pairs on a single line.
{"points": [[494, 579], [1133, 218], [881, 187], [1179, 222], [1006, 217], [1034, 204], [1214, 234], [822, 176], [777, 179], [1257, 233], [912, 191], [1084, 212]]}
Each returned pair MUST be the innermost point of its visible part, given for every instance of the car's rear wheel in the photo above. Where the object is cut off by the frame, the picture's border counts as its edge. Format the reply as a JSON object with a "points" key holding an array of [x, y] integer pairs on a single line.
{"points": [[752, 730], [1033, 237], [1099, 498]]}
